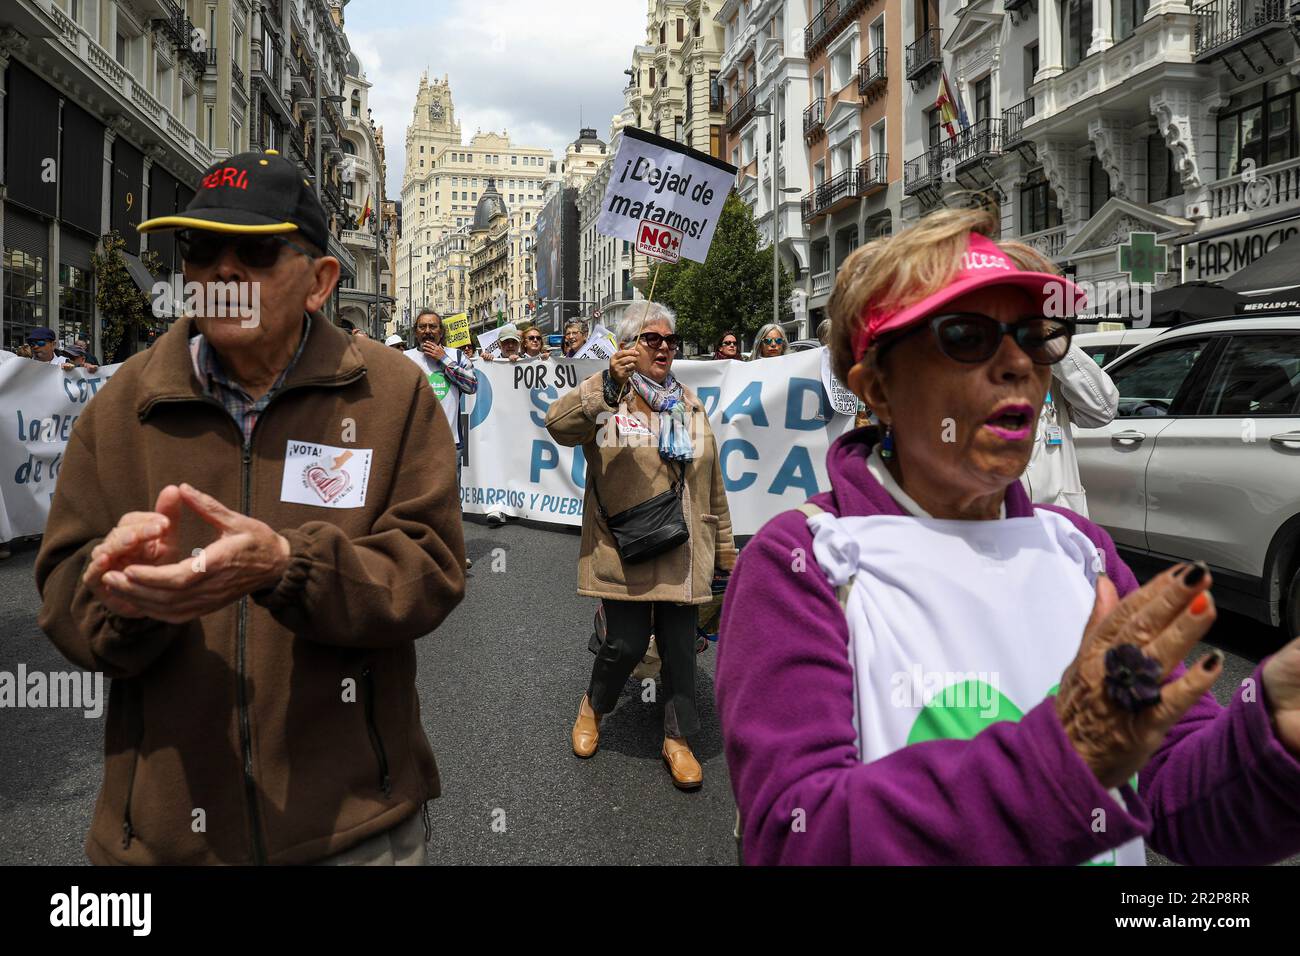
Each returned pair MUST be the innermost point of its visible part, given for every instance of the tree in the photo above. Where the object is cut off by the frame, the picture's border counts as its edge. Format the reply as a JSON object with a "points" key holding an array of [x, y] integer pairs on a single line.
{"points": [[125, 310], [731, 289]]}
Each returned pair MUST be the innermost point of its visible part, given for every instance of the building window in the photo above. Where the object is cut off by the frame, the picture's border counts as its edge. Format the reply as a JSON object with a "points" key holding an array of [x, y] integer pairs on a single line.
{"points": [[24, 295], [715, 141], [933, 127], [1163, 181], [1038, 209], [1260, 125], [1076, 26], [1031, 70], [1128, 16], [983, 98], [681, 30], [1098, 186]]}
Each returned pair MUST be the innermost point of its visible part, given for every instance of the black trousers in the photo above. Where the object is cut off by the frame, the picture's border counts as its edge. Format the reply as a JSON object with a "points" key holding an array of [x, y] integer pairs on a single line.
{"points": [[627, 636]]}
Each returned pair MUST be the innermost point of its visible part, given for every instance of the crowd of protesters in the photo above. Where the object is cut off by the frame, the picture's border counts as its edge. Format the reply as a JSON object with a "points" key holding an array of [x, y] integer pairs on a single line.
{"points": [[927, 555]]}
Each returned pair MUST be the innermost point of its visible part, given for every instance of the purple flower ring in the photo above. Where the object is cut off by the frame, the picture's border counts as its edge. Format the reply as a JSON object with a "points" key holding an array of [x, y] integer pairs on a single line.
{"points": [[1132, 678]]}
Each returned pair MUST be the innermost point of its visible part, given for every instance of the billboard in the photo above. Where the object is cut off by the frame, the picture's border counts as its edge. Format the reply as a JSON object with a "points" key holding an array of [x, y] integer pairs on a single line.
{"points": [[555, 254]]}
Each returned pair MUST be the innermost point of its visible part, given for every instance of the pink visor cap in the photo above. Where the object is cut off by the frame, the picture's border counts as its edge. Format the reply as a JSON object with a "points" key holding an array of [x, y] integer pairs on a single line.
{"points": [[982, 265]]}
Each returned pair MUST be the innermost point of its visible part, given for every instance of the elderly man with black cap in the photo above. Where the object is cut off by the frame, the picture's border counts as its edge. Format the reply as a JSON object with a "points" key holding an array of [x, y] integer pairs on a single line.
{"points": [[250, 530]]}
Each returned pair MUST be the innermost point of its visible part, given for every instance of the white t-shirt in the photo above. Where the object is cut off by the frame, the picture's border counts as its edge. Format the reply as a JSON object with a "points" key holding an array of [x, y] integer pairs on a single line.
{"points": [[954, 625], [444, 388]]}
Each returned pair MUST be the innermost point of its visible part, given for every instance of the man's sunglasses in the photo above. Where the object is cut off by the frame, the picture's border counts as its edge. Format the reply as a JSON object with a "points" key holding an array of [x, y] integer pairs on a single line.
{"points": [[37, 343], [202, 248], [972, 338], [774, 341], [653, 340]]}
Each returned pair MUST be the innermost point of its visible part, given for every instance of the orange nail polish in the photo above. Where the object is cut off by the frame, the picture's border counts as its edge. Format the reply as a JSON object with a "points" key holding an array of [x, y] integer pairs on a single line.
{"points": [[1199, 604]]}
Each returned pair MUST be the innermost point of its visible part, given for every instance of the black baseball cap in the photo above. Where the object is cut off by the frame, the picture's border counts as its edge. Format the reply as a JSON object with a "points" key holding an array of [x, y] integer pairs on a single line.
{"points": [[252, 193]]}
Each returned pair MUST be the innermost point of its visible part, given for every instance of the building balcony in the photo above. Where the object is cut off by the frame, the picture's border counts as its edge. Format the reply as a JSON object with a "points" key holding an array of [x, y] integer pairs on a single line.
{"points": [[741, 110], [923, 56], [1013, 122], [977, 142], [1274, 188], [237, 74], [814, 118], [358, 239], [212, 59], [821, 283], [829, 22], [347, 261], [1049, 242], [1222, 25], [873, 174], [871, 75], [922, 173], [819, 27]]}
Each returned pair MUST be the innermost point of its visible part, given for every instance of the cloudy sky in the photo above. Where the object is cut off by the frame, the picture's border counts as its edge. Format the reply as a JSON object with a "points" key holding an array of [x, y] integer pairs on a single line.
{"points": [[524, 66]]}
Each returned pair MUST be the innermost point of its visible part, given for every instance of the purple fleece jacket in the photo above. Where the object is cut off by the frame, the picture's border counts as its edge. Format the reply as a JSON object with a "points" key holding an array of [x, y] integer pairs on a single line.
{"points": [[1221, 789]]}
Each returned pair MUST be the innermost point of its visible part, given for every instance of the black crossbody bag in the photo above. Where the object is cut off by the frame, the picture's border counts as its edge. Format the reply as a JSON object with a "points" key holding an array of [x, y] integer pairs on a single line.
{"points": [[651, 528]]}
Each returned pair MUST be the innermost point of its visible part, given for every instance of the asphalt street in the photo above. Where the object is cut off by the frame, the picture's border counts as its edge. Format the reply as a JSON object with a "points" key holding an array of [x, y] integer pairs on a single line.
{"points": [[499, 686]]}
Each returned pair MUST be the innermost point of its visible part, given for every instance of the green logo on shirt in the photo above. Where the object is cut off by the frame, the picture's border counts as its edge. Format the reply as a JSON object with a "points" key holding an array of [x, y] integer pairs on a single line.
{"points": [[961, 711], [440, 384]]}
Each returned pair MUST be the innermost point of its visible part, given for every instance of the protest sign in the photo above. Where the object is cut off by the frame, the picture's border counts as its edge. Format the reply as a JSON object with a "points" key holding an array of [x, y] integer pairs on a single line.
{"points": [[842, 400], [455, 331], [41, 405], [658, 182], [600, 344], [772, 422], [488, 346]]}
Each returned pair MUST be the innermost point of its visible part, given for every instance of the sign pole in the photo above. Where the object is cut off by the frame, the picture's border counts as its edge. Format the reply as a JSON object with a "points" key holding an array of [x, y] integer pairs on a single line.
{"points": [[651, 296]]}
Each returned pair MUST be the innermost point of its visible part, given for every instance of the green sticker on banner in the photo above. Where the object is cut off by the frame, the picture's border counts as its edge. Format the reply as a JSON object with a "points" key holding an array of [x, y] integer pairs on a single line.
{"points": [[440, 384]]}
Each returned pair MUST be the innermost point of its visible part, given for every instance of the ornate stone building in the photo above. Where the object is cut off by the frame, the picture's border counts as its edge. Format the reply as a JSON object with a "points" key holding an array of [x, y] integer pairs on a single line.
{"points": [[489, 254]]}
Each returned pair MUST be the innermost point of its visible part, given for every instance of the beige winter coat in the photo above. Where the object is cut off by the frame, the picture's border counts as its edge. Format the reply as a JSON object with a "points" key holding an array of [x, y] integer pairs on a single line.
{"points": [[627, 471]]}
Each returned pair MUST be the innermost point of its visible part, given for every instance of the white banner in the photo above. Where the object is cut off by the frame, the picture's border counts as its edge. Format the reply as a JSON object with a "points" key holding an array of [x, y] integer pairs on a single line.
{"points": [[658, 181], [769, 418], [39, 404]]}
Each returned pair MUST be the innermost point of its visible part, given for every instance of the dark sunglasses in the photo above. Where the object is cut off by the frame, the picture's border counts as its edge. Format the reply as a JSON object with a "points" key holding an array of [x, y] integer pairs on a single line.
{"points": [[731, 342], [653, 340], [39, 342], [774, 341], [972, 338], [202, 248]]}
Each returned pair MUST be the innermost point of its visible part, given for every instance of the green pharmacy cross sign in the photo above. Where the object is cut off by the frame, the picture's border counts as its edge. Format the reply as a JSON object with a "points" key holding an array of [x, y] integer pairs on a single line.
{"points": [[1142, 257]]}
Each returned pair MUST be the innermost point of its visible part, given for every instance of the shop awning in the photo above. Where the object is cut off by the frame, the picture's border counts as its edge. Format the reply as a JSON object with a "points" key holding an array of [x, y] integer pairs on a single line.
{"points": [[1274, 272]]}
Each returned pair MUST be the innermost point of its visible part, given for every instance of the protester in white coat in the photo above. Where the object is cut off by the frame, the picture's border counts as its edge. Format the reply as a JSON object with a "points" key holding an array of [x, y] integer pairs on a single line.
{"points": [[1083, 394]]}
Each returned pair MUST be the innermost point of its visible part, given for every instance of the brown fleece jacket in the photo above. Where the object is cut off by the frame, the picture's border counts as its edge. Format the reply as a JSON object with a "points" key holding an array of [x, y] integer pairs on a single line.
{"points": [[289, 718]]}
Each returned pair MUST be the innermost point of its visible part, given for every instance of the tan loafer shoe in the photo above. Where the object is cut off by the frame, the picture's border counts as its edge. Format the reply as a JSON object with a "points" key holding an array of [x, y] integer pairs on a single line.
{"points": [[586, 730], [686, 771]]}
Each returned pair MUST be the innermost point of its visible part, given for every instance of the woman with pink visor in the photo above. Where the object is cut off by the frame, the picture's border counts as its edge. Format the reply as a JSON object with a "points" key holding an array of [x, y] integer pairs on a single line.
{"points": [[920, 666]]}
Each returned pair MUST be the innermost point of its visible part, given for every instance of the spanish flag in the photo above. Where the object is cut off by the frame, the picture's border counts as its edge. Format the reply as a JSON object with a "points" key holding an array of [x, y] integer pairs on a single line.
{"points": [[365, 214], [950, 107]]}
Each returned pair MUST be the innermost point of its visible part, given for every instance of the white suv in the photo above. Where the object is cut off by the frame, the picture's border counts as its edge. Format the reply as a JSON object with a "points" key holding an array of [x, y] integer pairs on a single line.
{"points": [[1203, 460], [1104, 347]]}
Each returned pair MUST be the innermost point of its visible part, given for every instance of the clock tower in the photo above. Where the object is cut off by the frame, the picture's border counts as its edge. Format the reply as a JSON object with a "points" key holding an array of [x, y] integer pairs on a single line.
{"points": [[433, 124]]}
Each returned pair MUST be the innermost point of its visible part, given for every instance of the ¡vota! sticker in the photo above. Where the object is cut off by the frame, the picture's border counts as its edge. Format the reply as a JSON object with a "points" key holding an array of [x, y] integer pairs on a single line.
{"points": [[324, 476]]}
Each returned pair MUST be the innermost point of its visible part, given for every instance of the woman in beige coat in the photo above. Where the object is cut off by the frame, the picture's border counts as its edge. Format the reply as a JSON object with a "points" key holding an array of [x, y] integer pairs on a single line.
{"points": [[638, 427]]}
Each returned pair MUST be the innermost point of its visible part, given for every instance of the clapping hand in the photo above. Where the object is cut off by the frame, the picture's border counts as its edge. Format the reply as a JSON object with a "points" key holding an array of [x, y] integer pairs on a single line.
{"points": [[140, 574]]}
